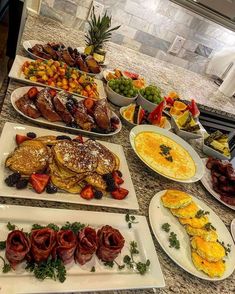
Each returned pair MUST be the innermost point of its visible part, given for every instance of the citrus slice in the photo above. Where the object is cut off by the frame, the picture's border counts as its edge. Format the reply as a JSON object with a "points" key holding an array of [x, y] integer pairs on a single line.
{"points": [[128, 113], [175, 111], [180, 105], [173, 95]]}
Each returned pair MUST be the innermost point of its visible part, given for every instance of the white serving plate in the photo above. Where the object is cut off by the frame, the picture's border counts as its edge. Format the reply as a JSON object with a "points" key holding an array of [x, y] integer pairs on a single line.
{"points": [[209, 151], [16, 73], [232, 226], [159, 215], [197, 160], [207, 183], [166, 127], [106, 72], [79, 278], [184, 134], [8, 144], [19, 92]]}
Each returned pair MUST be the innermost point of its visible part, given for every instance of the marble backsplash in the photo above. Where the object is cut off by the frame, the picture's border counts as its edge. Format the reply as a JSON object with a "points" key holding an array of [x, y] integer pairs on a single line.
{"points": [[150, 27]]}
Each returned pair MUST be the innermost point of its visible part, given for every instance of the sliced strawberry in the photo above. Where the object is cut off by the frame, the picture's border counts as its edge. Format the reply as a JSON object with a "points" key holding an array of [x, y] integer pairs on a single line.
{"points": [[21, 138], [120, 193], [52, 92], [32, 93], [87, 192], [79, 139], [117, 179], [39, 182], [89, 103]]}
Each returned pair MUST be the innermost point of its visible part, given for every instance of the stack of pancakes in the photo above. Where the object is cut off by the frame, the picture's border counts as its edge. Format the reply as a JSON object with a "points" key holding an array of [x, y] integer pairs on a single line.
{"points": [[70, 164], [207, 252]]}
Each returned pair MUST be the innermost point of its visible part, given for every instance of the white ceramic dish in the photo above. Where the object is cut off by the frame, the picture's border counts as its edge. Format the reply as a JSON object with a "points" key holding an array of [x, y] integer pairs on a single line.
{"points": [[166, 127], [147, 105], [8, 144], [118, 99], [19, 92], [183, 134], [80, 278], [106, 72], [213, 153], [158, 215], [197, 160], [16, 73], [207, 183], [233, 229]]}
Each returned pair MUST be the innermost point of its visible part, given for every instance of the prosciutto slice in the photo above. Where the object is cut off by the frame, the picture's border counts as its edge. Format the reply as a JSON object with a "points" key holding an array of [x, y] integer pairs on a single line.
{"points": [[87, 245], [43, 242], [110, 243], [66, 245], [17, 247]]}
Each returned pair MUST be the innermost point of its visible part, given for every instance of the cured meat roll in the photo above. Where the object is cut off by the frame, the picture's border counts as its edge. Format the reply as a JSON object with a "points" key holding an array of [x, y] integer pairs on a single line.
{"points": [[43, 242], [87, 245], [17, 247], [110, 243], [66, 245]]}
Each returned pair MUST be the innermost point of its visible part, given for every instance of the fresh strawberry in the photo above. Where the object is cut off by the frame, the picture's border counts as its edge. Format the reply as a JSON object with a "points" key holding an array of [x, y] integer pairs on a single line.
{"points": [[52, 92], [117, 179], [39, 182], [21, 138], [87, 192], [32, 93], [120, 193]]}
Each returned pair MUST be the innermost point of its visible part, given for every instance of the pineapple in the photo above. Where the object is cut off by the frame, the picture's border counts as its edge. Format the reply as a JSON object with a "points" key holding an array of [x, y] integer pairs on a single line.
{"points": [[98, 33]]}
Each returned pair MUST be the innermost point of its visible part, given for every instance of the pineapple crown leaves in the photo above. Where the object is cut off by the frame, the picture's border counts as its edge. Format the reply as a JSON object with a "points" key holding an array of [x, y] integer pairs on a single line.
{"points": [[99, 30]]}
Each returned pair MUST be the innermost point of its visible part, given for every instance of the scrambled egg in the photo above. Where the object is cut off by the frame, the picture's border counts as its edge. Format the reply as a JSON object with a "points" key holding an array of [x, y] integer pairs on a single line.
{"points": [[187, 211], [210, 235], [212, 269], [175, 199], [211, 251], [195, 222]]}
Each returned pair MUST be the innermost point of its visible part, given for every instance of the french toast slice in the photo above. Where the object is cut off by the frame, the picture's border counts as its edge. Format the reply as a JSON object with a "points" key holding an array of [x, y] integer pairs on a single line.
{"points": [[82, 118], [59, 102], [46, 107], [102, 114], [29, 157], [27, 107], [96, 181]]}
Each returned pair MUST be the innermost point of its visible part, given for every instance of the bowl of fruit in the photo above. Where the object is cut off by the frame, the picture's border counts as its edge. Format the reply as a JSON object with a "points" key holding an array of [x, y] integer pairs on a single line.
{"points": [[121, 92], [149, 97]]}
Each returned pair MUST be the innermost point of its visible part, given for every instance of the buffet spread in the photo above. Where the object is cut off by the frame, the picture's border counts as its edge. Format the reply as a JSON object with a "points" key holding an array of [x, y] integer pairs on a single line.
{"points": [[70, 91]]}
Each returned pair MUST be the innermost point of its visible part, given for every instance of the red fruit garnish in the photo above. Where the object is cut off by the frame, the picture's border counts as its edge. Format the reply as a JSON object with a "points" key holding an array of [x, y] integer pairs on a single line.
{"points": [[117, 179], [89, 103], [53, 92], [21, 138], [79, 139], [39, 182], [87, 192], [120, 193], [32, 93]]}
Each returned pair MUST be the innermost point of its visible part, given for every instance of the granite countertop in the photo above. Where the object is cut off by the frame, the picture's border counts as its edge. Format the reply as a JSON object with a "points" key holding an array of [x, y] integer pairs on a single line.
{"points": [[146, 182]]}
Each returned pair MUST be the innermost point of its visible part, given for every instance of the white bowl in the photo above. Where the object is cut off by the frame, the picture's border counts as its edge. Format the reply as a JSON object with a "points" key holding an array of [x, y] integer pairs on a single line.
{"points": [[147, 105], [184, 134], [118, 99], [213, 153]]}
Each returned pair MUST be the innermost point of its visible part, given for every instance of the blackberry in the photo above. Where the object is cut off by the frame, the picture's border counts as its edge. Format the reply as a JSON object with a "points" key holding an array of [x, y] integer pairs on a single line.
{"points": [[51, 189], [73, 124], [108, 177], [114, 120], [111, 187], [31, 135], [73, 101], [119, 173], [69, 106], [63, 137], [98, 194], [21, 184], [12, 179]]}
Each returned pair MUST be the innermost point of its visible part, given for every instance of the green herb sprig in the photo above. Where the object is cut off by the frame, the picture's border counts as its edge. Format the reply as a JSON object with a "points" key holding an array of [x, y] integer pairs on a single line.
{"points": [[11, 227], [227, 247], [2, 245], [75, 227], [130, 219], [6, 266], [209, 227], [201, 213], [93, 269], [174, 242], [166, 227], [165, 152], [51, 226]]}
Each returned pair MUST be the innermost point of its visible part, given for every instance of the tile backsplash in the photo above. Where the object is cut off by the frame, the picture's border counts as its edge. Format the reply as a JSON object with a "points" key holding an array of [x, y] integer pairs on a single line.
{"points": [[150, 27]]}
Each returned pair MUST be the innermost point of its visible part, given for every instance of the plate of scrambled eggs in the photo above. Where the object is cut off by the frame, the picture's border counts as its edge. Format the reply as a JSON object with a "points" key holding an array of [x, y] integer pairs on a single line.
{"points": [[166, 153], [192, 235]]}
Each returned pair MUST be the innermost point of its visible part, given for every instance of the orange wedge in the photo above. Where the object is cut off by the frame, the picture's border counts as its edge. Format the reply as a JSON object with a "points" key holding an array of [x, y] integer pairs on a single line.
{"points": [[173, 95], [180, 105], [175, 111]]}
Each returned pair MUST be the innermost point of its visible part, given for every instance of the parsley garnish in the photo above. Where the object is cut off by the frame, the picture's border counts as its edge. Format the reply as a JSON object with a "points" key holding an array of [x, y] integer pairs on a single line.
{"points": [[165, 151], [174, 242], [6, 266], [75, 227], [209, 227], [93, 269], [109, 263], [11, 227], [51, 226], [166, 227], [226, 248], [130, 219], [201, 213], [2, 245]]}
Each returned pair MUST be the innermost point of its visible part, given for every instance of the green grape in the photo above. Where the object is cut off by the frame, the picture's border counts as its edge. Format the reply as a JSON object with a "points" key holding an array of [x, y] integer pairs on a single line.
{"points": [[117, 90], [150, 97], [122, 87]]}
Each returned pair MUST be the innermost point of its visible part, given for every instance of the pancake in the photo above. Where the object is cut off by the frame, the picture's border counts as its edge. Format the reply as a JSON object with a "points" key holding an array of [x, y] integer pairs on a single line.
{"points": [[211, 251], [175, 199], [195, 222], [96, 180], [210, 235], [212, 269], [187, 211], [149, 145], [70, 185]]}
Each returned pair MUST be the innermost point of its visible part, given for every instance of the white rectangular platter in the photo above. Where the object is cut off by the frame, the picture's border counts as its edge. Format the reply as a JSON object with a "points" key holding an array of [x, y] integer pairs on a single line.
{"points": [[16, 73], [80, 278], [8, 144]]}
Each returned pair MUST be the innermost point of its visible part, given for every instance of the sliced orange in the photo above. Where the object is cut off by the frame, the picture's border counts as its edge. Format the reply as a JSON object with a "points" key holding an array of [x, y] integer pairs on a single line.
{"points": [[180, 105], [173, 95], [128, 113], [175, 111]]}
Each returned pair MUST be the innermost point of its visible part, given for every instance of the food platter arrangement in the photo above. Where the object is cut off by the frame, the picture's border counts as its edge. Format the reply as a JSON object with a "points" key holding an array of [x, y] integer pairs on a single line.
{"points": [[70, 91]]}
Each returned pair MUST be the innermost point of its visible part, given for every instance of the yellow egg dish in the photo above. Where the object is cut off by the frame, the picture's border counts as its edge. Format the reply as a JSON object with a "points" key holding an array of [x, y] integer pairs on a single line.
{"points": [[187, 211], [165, 156], [210, 235], [175, 199], [195, 222]]}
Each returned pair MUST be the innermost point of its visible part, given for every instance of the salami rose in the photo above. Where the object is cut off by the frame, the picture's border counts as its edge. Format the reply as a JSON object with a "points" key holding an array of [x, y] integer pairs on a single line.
{"points": [[66, 245], [110, 243], [17, 247], [87, 245], [43, 242]]}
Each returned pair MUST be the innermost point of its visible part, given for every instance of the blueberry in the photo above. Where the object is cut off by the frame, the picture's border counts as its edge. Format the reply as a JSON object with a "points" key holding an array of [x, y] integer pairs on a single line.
{"points": [[21, 184], [12, 179], [98, 194], [108, 177], [51, 189], [63, 137], [111, 187], [31, 135]]}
